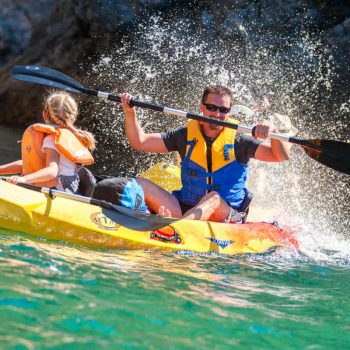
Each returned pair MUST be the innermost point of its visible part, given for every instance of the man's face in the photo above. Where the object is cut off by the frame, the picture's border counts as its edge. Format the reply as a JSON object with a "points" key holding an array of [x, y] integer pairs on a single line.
{"points": [[215, 106]]}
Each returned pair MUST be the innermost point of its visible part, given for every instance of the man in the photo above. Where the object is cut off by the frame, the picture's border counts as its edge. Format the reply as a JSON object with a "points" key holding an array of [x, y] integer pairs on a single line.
{"points": [[214, 158]]}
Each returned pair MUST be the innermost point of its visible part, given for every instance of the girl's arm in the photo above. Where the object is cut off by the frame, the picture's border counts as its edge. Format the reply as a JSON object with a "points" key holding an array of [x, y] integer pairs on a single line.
{"points": [[11, 168], [42, 175]]}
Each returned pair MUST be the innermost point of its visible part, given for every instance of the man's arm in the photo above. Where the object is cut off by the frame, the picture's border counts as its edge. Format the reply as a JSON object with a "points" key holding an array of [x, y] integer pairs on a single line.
{"points": [[276, 151], [138, 139]]}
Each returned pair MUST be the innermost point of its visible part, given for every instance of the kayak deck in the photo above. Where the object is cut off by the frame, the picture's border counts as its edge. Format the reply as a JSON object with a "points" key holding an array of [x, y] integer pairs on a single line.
{"points": [[88, 225]]}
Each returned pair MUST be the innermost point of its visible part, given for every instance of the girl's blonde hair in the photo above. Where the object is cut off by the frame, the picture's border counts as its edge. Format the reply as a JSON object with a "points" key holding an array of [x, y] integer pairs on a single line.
{"points": [[62, 110]]}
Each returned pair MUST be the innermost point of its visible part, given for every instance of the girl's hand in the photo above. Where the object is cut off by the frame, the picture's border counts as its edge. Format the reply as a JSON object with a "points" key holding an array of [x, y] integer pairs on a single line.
{"points": [[16, 179]]}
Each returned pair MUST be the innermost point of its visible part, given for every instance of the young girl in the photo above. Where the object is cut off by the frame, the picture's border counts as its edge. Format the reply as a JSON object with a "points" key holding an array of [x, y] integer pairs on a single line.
{"points": [[51, 151]]}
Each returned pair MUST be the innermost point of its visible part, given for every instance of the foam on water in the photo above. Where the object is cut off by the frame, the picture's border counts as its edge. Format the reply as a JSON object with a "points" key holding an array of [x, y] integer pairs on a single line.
{"points": [[170, 63]]}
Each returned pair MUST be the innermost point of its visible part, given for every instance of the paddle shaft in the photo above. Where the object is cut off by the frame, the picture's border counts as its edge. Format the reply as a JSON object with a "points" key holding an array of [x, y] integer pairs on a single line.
{"points": [[180, 113], [306, 144], [334, 154], [50, 77]]}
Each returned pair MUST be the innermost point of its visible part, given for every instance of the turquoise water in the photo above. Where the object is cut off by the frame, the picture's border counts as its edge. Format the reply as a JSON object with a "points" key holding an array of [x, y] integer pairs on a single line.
{"points": [[56, 296]]}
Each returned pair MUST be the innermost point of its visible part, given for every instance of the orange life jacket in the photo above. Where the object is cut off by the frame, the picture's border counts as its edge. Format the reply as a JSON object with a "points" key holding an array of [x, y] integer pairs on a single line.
{"points": [[33, 159]]}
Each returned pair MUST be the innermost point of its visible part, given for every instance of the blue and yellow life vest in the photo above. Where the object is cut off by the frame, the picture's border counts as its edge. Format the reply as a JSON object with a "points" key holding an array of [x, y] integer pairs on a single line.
{"points": [[228, 176]]}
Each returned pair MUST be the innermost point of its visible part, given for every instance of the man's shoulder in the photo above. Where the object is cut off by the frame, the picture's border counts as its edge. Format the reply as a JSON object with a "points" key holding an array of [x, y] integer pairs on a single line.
{"points": [[179, 132], [240, 137], [175, 139], [245, 147]]}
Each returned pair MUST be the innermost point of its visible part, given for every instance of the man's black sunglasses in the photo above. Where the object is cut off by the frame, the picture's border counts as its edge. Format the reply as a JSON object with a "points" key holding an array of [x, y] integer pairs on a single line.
{"points": [[214, 108]]}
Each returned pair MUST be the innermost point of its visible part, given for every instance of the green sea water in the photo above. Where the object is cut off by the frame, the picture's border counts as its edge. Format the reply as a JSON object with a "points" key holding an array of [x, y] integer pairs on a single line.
{"points": [[59, 296]]}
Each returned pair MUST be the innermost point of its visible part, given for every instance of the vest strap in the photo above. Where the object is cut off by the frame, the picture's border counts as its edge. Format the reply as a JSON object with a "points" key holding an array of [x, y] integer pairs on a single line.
{"points": [[226, 151], [191, 143], [216, 187], [246, 202]]}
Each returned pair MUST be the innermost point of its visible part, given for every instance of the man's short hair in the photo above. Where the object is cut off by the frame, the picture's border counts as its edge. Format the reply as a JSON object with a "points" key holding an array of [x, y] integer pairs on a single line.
{"points": [[218, 90]]}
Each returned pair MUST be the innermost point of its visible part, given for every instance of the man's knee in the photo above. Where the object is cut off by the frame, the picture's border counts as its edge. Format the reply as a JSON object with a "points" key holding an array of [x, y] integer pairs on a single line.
{"points": [[213, 198], [211, 194]]}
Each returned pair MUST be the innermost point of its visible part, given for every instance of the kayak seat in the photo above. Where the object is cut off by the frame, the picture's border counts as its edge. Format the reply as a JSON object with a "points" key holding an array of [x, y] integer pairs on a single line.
{"points": [[245, 205], [87, 182]]}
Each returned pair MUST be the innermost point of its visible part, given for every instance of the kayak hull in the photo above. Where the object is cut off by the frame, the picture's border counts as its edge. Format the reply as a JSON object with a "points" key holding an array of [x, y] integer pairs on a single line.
{"points": [[62, 219]]}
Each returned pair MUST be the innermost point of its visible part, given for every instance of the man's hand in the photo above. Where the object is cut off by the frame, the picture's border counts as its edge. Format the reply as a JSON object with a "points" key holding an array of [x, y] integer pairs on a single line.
{"points": [[125, 100], [262, 130]]}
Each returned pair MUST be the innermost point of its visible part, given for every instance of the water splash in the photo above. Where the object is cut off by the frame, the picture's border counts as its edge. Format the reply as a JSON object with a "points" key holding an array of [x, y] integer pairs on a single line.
{"points": [[169, 62]]}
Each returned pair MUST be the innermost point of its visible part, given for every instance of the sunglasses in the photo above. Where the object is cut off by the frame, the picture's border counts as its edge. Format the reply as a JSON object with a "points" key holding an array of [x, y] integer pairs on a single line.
{"points": [[214, 108]]}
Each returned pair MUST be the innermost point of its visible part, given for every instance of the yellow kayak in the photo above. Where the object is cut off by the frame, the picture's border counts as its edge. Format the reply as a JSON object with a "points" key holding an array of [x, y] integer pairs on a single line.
{"points": [[64, 219]]}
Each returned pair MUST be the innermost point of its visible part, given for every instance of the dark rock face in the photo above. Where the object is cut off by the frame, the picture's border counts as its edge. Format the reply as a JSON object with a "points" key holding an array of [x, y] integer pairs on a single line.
{"points": [[68, 34], [48, 33]]}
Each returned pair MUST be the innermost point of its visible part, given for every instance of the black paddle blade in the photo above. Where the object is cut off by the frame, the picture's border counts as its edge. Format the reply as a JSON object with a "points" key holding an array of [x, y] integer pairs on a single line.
{"points": [[48, 77], [135, 220], [334, 154]]}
